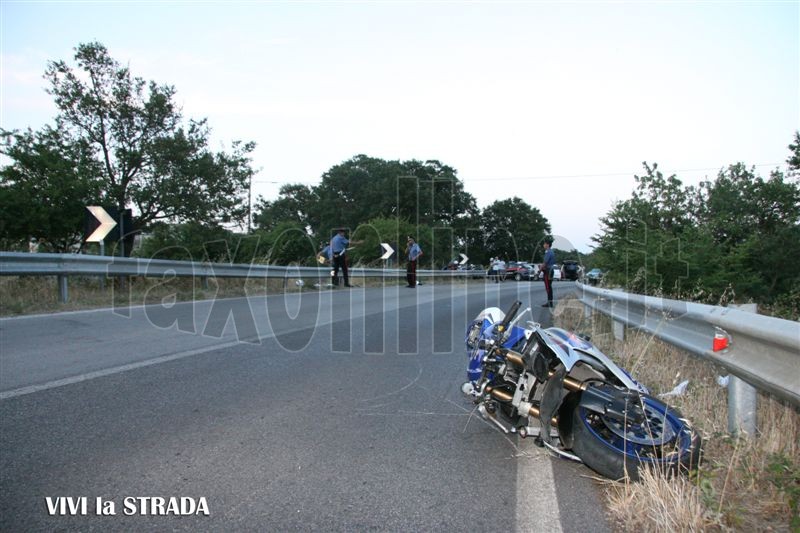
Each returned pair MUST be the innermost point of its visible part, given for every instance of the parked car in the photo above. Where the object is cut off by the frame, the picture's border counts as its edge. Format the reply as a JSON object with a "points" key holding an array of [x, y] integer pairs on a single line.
{"points": [[571, 270], [594, 276], [519, 271], [556, 274], [476, 271]]}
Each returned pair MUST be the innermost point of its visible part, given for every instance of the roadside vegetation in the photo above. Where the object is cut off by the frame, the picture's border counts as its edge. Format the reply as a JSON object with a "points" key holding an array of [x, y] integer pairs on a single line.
{"points": [[734, 237], [742, 484], [26, 295]]}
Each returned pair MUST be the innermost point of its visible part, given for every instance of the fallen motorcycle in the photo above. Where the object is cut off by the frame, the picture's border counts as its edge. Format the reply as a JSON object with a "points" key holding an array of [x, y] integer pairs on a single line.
{"points": [[557, 387]]}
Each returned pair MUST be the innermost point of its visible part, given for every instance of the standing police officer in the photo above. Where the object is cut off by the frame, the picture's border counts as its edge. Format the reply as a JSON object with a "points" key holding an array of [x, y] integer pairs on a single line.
{"points": [[547, 269], [413, 252], [337, 253]]}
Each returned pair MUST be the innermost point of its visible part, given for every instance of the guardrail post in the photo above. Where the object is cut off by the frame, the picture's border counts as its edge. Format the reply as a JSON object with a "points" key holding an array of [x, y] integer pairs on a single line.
{"points": [[619, 330], [102, 276], [742, 406], [63, 289], [617, 326], [742, 397]]}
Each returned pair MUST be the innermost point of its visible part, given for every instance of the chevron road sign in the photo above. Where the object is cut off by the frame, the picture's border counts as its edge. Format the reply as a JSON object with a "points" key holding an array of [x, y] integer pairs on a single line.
{"points": [[106, 223], [388, 249]]}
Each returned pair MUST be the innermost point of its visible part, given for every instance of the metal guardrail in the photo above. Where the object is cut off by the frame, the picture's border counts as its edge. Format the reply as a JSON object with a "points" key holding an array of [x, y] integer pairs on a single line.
{"points": [[762, 351], [65, 265], [27, 264]]}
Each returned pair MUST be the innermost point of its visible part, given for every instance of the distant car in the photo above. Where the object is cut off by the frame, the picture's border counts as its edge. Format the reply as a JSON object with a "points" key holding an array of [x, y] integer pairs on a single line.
{"points": [[519, 271], [594, 276], [571, 270], [556, 273], [477, 271]]}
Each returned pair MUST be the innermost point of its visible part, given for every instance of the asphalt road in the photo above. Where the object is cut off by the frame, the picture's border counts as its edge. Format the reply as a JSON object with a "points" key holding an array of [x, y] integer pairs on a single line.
{"points": [[331, 411]]}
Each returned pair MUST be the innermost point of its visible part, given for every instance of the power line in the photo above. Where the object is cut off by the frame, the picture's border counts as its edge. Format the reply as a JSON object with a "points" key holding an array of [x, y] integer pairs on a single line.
{"points": [[605, 175], [542, 177]]}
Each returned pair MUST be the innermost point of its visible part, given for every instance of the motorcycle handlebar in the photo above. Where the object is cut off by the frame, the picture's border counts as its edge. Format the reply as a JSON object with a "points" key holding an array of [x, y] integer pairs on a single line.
{"points": [[512, 312]]}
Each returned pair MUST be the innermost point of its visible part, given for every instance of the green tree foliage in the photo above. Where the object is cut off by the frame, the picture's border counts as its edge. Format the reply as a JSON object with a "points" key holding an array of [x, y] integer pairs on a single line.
{"points": [[739, 232], [286, 243], [292, 205], [386, 199], [400, 198], [646, 240], [363, 188], [393, 231], [755, 225], [794, 148], [45, 190], [190, 241], [512, 229], [129, 135]]}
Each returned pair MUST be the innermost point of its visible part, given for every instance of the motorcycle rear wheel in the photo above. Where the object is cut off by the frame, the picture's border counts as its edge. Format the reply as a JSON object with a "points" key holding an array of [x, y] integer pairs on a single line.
{"points": [[664, 441]]}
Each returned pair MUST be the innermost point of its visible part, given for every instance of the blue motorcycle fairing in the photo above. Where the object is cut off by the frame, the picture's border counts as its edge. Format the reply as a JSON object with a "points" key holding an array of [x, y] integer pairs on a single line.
{"points": [[516, 336]]}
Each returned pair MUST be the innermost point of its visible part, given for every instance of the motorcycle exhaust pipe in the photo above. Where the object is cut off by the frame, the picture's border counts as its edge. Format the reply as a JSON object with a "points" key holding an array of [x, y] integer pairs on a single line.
{"points": [[570, 384], [498, 394], [515, 358], [504, 396], [573, 385]]}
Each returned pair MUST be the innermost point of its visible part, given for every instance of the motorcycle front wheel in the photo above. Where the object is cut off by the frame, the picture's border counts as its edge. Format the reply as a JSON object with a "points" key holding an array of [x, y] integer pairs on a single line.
{"points": [[615, 449]]}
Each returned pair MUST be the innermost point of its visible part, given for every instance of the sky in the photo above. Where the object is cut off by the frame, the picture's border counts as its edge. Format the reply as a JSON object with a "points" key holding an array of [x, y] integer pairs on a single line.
{"points": [[558, 103]]}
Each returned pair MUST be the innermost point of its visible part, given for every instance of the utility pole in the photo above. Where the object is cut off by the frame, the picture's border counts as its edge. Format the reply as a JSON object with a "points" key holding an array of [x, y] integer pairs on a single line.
{"points": [[249, 203]]}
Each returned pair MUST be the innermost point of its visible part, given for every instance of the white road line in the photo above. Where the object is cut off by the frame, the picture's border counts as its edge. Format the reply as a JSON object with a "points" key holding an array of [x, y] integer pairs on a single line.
{"points": [[537, 504], [115, 370], [122, 310]]}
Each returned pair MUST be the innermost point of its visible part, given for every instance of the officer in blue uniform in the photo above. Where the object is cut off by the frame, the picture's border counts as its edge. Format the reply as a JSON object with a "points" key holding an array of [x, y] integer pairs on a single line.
{"points": [[547, 269], [337, 253], [414, 252]]}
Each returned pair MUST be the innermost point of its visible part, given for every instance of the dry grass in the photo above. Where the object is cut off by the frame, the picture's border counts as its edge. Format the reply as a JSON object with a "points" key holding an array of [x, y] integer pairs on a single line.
{"points": [[741, 485], [658, 504], [27, 294]]}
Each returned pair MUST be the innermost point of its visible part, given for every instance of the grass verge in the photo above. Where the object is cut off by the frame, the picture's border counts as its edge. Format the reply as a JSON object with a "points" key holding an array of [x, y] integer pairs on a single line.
{"points": [[25, 295], [742, 484]]}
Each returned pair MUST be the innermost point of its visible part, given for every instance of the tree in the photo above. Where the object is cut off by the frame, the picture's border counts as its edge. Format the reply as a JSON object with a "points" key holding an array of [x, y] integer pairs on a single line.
{"points": [[190, 241], [363, 188], [419, 196], [46, 188], [755, 224], [513, 229], [648, 242], [794, 157], [393, 231], [293, 204], [739, 231], [285, 243], [146, 157]]}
